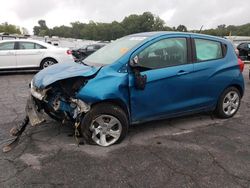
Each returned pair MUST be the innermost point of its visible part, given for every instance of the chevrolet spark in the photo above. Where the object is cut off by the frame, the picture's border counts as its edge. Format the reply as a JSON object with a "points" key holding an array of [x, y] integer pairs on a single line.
{"points": [[138, 78]]}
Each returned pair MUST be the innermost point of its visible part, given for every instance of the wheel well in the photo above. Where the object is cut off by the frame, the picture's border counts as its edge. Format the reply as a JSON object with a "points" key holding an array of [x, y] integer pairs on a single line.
{"points": [[239, 88], [233, 85], [48, 58], [117, 102]]}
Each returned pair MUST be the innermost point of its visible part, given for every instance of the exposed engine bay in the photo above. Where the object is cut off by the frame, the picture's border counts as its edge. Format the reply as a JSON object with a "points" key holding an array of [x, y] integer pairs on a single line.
{"points": [[59, 100]]}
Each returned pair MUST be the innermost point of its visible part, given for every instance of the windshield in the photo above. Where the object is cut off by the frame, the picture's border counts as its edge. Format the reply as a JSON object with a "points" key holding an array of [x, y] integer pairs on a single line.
{"points": [[113, 51]]}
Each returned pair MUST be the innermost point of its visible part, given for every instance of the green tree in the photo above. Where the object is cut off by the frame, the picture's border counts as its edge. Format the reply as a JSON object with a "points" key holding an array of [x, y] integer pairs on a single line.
{"points": [[9, 28], [117, 30], [77, 29], [159, 25], [181, 28], [131, 24], [42, 29], [62, 31], [146, 22]]}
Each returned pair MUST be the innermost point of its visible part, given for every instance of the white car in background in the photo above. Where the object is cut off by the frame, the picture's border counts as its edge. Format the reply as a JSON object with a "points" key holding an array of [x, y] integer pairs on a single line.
{"points": [[23, 54]]}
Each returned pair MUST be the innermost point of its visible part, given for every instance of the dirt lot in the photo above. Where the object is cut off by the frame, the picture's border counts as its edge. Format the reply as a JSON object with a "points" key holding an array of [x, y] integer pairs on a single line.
{"points": [[193, 151]]}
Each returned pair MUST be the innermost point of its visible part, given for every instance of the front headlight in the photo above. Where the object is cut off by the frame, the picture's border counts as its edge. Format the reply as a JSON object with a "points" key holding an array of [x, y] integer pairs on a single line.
{"points": [[36, 93]]}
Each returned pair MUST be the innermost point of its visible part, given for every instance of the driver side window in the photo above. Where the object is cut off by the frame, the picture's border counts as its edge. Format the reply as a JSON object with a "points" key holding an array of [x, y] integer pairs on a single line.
{"points": [[164, 53]]}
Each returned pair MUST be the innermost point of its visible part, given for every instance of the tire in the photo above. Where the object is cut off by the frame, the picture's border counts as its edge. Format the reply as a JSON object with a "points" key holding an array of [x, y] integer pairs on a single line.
{"points": [[227, 105], [47, 62], [104, 120]]}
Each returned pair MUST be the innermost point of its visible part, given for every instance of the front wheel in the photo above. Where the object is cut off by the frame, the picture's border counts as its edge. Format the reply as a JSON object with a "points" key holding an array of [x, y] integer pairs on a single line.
{"points": [[229, 103], [105, 124]]}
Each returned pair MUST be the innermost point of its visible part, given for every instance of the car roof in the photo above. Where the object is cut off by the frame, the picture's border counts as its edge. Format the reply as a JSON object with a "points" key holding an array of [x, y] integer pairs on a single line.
{"points": [[155, 34], [244, 43], [28, 40]]}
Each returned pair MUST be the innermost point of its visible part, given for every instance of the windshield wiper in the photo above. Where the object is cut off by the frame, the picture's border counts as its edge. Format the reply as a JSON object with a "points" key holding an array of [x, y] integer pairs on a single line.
{"points": [[82, 62]]}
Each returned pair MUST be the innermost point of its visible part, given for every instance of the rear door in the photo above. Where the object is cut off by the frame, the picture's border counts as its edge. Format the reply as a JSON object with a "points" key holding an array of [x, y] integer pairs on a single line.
{"points": [[210, 71], [7, 55], [29, 54]]}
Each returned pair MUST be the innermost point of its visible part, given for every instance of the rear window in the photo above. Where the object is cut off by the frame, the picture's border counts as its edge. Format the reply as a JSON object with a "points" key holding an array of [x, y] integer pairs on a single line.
{"points": [[38, 46], [208, 50]]}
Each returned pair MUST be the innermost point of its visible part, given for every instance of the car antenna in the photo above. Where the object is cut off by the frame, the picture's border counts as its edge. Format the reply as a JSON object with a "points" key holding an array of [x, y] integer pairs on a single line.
{"points": [[201, 29]]}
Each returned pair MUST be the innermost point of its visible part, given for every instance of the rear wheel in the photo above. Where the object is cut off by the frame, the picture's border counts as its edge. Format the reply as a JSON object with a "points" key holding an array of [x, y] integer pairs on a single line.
{"points": [[47, 62], [229, 103], [105, 124]]}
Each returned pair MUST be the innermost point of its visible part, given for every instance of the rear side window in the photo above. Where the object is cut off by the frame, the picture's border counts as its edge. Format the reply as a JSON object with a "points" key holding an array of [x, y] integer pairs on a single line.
{"points": [[243, 46], [208, 50], [38, 46], [97, 47], [30, 46], [90, 47], [7, 46]]}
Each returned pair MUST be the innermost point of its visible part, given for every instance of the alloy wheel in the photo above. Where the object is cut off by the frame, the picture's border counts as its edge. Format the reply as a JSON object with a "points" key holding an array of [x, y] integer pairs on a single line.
{"points": [[231, 103], [106, 130], [48, 63]]}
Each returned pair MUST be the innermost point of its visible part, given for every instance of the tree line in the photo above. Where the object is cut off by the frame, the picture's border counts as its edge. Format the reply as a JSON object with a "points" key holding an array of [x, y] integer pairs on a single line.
{"points": [[131, 24], [104, 31]]}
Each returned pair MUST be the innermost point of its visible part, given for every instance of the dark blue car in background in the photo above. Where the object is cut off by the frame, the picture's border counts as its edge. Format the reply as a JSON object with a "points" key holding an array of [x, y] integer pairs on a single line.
{"points": [[139, 78]]}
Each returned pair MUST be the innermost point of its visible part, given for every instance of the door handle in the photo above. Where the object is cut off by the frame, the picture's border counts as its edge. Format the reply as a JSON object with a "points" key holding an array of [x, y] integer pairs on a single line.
{"points": [[182, 72]]}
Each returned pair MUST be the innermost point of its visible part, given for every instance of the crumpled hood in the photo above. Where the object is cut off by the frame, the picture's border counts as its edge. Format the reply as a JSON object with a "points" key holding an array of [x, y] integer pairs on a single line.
{"points": [[61, 71]]}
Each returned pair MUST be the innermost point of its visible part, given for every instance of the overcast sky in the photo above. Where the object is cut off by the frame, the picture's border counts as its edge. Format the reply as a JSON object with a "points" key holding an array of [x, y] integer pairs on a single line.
{"points": [[192, 13]]}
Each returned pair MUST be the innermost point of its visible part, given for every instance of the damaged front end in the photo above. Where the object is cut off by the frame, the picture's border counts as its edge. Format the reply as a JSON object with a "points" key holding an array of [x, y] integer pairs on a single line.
{"points": [[59, 100], [55, 94]]}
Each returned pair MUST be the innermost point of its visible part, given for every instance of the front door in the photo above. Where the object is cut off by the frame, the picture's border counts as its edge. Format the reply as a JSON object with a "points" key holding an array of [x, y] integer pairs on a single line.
{"points": [[7, 55], [168, 90]]}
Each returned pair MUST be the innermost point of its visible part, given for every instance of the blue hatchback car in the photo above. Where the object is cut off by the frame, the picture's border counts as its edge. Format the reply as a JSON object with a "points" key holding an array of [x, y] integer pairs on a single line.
{"points": [[139, 78]]}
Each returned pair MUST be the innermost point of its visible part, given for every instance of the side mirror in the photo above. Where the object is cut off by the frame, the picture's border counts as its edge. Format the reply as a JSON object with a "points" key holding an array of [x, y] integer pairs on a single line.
{"points": [[134, 62], [140, 80]]}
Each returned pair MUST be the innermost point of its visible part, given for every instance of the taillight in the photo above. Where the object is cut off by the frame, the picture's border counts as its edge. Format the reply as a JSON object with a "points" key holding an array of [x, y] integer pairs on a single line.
{"points": [[241, 64], [69, 52]]}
